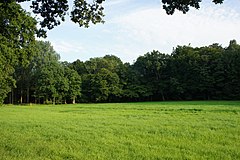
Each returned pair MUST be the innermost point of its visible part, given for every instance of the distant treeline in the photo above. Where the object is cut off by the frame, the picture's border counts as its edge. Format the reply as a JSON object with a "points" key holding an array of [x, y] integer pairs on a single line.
{"points": [[205, 73]]}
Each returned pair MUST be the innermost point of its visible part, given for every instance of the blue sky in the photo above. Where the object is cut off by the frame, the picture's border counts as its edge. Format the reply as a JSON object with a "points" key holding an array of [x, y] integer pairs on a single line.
{"points": [[134, 27]]}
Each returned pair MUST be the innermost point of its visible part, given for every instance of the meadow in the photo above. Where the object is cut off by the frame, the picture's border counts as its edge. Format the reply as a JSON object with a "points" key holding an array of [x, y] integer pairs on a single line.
{"points": [[150, 130]]}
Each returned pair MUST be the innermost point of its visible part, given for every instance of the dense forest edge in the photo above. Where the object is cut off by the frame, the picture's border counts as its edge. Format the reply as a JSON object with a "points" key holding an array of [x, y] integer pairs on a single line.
{"points": [[188, 73], [31, 71]]}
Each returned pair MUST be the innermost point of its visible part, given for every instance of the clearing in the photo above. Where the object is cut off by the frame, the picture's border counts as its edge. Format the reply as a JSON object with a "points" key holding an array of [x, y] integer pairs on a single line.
{"points": [[151, 130]]}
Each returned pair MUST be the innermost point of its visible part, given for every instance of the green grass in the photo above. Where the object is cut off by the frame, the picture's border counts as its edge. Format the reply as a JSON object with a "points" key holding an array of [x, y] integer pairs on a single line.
{"points": [[156, 130]]}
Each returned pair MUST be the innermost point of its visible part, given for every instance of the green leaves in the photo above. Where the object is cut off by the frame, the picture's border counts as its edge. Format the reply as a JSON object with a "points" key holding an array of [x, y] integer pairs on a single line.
{"points": [[83, 13], [183, 5], [74, 83], [18, 27], [205, 73], [17, 30], [101, 82], [52, 11]]}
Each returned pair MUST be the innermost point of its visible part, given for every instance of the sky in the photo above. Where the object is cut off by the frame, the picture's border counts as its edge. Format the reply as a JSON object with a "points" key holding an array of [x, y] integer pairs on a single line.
{"points": [[133, 28]]}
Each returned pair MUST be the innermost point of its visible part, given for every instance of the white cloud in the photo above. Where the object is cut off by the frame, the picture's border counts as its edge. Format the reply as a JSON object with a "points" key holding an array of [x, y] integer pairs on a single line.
{"points": [[68, 50], [152, 28], [114, 2], [134, 28], [67, 47]]}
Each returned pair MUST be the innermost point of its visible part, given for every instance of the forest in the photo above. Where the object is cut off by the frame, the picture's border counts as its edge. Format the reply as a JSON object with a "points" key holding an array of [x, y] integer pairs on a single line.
{"points": [[31, 71], [202, 73], [165, 123]]}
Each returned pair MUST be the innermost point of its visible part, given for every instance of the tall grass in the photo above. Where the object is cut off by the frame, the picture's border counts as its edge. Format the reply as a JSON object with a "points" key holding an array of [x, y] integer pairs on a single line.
{"points": [[157, 130]]}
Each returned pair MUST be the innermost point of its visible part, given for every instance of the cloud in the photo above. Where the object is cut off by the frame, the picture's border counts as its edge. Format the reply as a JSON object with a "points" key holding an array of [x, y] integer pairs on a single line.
{"points": [[114, 2], [67, 47], [134, 28], [152, 28], [68, 50]]}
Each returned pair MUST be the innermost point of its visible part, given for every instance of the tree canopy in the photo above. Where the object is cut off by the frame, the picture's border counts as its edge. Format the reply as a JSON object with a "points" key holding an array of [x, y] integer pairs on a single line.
{"points": [[183, 5], [201, 73], [17, 35], [30, 70]]}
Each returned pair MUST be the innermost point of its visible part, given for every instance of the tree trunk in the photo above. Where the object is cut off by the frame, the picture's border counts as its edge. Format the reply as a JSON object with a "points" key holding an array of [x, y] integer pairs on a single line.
{"points": [[163, 98], [12, 96], [54, 99], [9, 98], [27, 94], [21, 97], [73, 100]]}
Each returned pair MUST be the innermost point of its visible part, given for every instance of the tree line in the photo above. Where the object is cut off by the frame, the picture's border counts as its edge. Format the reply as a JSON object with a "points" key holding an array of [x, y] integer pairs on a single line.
{"points": [[30, 70], [188, 73]]}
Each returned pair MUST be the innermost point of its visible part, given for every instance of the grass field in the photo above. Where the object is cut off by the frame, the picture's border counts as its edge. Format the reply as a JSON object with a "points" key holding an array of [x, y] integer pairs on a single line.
{"points": [[158, 130]]}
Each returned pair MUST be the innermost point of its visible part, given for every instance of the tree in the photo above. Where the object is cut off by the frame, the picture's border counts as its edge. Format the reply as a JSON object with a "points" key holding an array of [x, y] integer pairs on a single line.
{"points": [[6, 69], [209, 65], [94, 88], [48, 79], [52, 85], [183, 5], [17, 26], [151, 67], [78, 66], [61, 83], [231, 68], [101, 81], [45, 84], [132, 88], [113, 86], [17, 30], [53, 12], [44, 78], [74, 82]]}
